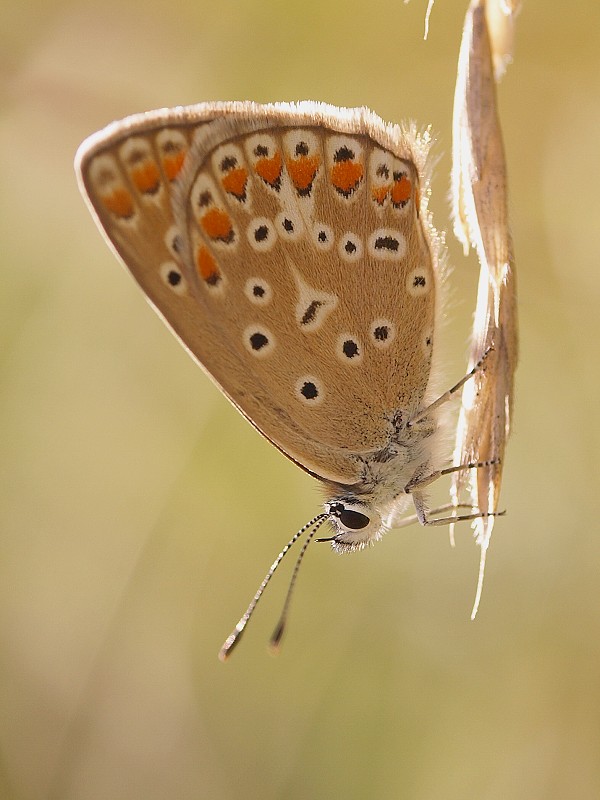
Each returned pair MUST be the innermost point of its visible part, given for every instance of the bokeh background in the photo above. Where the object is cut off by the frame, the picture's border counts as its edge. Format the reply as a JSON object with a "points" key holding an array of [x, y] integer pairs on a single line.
{"points": [[138, 510]]}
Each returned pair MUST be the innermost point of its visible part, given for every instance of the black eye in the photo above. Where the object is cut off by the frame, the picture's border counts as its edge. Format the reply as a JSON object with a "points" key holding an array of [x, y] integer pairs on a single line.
{"points": [[353, 519]]}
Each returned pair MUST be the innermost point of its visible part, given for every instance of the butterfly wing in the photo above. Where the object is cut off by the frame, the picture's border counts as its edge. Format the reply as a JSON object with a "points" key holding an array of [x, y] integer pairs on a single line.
{"points": [[288, 248]]}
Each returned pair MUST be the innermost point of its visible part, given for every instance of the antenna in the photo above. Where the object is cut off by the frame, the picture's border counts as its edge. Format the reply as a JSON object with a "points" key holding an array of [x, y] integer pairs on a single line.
{"points": [[235, 635], [280, 627]]}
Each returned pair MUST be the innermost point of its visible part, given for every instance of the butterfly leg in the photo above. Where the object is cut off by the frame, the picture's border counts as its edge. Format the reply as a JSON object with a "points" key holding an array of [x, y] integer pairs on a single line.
{"points": [[479, 366], [424, 518], [412, 518], [420, 483]]}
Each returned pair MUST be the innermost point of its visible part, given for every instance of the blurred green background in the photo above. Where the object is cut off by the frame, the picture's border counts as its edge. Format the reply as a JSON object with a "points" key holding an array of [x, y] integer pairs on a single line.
{"points": [[139, 511]]}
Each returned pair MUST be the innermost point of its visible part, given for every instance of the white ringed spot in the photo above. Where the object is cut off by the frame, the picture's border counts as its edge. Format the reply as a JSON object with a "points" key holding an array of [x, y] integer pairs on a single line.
{"points": [[174, 241], [258, 291], [349, 349], [170, 272], [387, 244], [382, 332], [418, 282], [350, 247], [309, 390], [203, 195], [289, 226], [261, 234], [323, 236], [258, 340]]}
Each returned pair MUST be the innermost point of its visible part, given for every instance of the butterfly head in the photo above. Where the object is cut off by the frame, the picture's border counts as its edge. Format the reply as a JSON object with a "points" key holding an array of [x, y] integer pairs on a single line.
{"points": [[356, 524]]}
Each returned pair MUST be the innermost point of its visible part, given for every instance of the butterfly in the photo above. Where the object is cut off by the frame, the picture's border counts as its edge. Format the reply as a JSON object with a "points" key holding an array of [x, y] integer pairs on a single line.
{"points": [[291, 249]]}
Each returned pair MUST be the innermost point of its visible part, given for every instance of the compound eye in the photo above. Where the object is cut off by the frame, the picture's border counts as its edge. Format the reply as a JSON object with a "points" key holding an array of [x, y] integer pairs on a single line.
{"points": [[353, 519]]}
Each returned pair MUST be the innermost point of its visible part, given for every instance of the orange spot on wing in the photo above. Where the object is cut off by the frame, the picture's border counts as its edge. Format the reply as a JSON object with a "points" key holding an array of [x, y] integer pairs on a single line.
{"points": [[146, 177], [172, 164], [120, 203], [379, 193], [303, 170], [401, 190], [346, 175], [216, 224], [235, 182], [269, 169], [207, 266]]}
